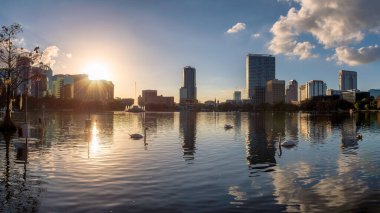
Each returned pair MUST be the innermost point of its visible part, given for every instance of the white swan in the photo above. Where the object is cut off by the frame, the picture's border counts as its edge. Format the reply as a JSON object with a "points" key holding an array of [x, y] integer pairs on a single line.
{"points": [[137, 136], [286, 143]]}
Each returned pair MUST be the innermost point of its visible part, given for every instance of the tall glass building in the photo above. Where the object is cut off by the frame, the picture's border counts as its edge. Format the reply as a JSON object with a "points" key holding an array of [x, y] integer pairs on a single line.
{"points": [[347, 80], [188, 93], [260, 68]]}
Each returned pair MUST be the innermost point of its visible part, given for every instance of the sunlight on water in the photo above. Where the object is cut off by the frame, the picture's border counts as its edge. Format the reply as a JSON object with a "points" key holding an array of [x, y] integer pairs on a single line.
{"points": [[94, 144], [188, 162]]}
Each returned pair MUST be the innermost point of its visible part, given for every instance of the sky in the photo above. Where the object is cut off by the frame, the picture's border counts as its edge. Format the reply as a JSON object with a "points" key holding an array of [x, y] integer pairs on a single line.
{"points": [[150, 41]]}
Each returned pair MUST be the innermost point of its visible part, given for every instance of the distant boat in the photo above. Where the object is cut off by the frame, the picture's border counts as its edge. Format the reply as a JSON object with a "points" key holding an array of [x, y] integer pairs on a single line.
{"points": [[135, 109]]}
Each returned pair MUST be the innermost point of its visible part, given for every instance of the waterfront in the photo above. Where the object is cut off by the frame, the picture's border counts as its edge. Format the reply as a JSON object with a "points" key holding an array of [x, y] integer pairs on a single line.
{"points": [[190, 163]]}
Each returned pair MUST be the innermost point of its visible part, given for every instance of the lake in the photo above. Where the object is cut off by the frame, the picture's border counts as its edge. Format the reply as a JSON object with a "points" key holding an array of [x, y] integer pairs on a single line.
{"points": [[190, 163]]}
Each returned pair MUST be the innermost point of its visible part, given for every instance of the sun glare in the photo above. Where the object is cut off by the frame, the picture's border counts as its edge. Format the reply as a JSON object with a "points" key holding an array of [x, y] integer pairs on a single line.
{"points": [[97, 71]]}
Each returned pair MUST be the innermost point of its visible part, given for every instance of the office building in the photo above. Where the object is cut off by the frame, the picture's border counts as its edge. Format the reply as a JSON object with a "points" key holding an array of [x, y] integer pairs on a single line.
{"points": [[313, 88], [63, 86], [81, 83], [332, 92], [275, 91], [57, 85], [353, 96], [237, 96], [260, 68], [291, 92], [302, 94], [316, 88], [23, 67], [347, 80], [188, 93], [150, 97], [38, 82], [99, 90]]}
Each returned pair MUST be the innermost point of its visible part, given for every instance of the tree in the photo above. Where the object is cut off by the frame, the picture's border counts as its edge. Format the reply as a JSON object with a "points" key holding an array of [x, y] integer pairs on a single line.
{"points": [[15, 65]]}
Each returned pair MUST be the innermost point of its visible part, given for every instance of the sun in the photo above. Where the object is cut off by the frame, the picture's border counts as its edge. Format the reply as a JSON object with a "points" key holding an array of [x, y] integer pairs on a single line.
{"points": [[97, 71]]}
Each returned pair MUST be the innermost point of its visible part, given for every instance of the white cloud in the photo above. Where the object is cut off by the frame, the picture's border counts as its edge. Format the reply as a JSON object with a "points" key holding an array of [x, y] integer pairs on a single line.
{"points": [[333, 24], [49, 54], [256, 35], [69, 55], [303, 50], [236, 28], [355, 57]]}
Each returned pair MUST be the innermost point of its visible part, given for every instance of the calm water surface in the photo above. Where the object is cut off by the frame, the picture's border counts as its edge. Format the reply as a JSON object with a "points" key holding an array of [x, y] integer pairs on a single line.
{"points": [[190, 163]]}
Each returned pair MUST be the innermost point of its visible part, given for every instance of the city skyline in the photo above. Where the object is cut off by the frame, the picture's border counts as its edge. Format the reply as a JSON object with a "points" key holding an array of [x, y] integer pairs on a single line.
{"points": [[128, 38]]}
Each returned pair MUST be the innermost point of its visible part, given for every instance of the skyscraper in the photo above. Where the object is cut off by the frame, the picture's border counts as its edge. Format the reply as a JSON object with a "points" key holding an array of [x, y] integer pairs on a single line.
{"points": [[188, 93], [347, 80], [291, 92], [260, 68], [275, 91]]}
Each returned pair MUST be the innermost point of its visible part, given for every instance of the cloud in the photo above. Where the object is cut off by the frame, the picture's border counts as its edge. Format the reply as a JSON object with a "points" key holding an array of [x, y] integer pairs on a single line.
{"points": [[236, 28], [256, 35], [332, 23], [355, 57], [49, 54], [69, 55]]}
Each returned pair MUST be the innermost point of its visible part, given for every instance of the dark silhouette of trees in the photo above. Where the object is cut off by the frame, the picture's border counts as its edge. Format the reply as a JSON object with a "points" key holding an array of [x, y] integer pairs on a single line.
{"points": [[15, 64], [325, 105]]}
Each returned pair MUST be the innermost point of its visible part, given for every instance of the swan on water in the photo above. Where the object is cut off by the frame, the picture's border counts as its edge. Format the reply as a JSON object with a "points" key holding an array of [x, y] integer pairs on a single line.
{"points": [[139, 136], [286, 143]]}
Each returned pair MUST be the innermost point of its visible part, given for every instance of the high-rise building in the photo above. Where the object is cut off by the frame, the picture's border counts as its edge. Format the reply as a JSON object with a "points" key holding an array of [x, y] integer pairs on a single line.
{"points": [[48, 72], [237, 96], [291, 92], [81, 83], [275, 91], [315, 88], [57, 86], [63, 86], [39, 82], [23, 66], [99, 90], [302, 93], [188, 93], [260, 68], [347, 80]]}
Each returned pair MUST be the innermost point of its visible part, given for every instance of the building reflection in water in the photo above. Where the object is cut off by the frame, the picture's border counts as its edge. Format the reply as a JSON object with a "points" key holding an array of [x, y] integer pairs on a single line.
{"points": [[187, 128], [263, 132], [18, 192], [314, 128], [306, 187], [349, 132], [291, 123]]}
